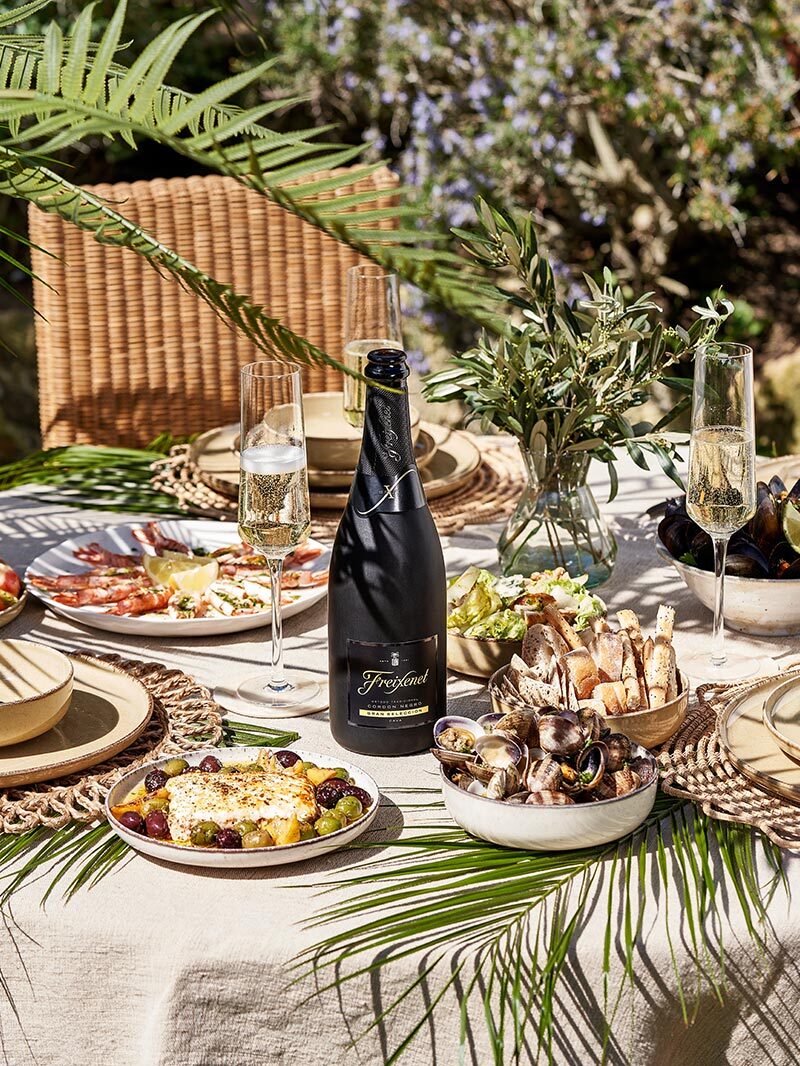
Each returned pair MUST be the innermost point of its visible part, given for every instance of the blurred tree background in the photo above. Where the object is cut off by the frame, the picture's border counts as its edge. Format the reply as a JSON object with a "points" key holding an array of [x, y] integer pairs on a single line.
{"points": [[657, 139]]}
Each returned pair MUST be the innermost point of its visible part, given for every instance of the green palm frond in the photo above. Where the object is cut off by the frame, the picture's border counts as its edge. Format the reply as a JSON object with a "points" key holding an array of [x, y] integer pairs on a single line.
{"points": [[60, 90], [13, 18], [25, 178], [512, 917]]}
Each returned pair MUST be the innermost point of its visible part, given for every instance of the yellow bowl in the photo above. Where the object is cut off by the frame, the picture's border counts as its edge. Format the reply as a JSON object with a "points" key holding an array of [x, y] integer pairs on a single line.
{"points": [[650, 727], [477, 656], [35, 689]]}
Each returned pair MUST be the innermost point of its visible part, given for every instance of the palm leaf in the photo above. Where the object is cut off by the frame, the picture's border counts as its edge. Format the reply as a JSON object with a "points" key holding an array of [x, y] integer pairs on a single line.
{"points": [[52, 95], [25, 178], [516, 915]]}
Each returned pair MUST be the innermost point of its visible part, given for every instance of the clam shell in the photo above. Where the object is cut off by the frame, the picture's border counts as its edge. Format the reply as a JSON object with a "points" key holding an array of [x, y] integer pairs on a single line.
{"points": [[451, 726], [548, 799], [498, 751], [559, 735], [619, 751]]}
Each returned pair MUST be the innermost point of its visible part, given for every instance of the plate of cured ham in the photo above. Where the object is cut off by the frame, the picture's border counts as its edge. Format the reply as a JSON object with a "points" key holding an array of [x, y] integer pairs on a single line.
{"points": [[173, 577]]}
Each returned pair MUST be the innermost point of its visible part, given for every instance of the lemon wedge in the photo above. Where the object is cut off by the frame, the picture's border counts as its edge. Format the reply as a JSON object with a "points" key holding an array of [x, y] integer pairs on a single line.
{"points": [[183, 573], [791, 524]]}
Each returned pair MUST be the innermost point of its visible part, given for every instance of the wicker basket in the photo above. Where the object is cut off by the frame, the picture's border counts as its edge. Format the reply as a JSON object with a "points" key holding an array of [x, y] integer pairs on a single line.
{"points": [[126, 353]]}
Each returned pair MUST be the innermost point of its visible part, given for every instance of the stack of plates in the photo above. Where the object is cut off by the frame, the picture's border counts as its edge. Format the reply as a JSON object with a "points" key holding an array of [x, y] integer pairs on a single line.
{"points": [[62, 714], [760, 729], [446, 458]]}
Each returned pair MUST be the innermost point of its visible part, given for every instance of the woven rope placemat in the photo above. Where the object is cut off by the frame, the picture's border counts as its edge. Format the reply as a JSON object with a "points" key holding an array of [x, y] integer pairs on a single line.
{"points": [[488, 496], [185, 717], [695, 766]]}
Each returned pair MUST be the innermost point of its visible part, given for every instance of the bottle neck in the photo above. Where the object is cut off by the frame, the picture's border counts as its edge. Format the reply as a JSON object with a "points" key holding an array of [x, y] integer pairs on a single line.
{"points": [[387, 479]]}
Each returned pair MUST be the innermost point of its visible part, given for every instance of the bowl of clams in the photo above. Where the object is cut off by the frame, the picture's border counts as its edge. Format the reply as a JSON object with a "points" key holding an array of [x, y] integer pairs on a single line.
{"points": [[544, 779]]}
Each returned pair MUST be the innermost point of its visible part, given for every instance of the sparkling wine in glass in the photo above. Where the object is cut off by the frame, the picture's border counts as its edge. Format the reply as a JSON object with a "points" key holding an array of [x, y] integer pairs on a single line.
{"points": [[274, 513], [372, 321], [721, 489]]}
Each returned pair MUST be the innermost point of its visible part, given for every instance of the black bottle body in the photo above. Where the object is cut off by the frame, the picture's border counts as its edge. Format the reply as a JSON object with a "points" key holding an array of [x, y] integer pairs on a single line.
{"points": [[387, 638]]}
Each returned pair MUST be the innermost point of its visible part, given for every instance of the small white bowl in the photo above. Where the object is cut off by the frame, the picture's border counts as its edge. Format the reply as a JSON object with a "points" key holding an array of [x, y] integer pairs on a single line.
{"points": [[240, 858], [550, 828], [764, 606]]}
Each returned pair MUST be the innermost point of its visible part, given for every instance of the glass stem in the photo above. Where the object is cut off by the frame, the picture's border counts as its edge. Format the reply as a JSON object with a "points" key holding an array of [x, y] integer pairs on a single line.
{"points": [[718, 657], [277, 681]]}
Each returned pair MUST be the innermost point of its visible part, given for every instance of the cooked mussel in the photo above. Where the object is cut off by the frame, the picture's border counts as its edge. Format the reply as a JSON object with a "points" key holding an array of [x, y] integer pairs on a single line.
{"points": [[791, 572], [777, 486], [676, 531], [765, 525], [747, 560]]}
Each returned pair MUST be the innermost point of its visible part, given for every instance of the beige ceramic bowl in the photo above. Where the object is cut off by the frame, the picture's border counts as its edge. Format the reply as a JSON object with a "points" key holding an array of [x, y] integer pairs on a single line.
{"points": [[478, 657], [649, 728], [35, 689], [331, 442]]}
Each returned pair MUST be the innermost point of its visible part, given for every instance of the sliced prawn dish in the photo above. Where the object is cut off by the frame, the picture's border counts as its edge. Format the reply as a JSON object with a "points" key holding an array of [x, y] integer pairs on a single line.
{"points": [[164, 577]]}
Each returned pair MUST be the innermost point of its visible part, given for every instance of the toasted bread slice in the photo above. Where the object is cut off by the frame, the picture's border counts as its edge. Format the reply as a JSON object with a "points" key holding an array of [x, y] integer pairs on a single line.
{"points": [[612, 695], [607, 652], [582, 671], [562, 627], [540, 646], [630, 674]]}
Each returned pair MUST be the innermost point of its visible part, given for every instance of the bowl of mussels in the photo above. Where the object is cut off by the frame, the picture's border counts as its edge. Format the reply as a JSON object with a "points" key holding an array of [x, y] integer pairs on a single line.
{"points": [[763, 561], [548, 779]]}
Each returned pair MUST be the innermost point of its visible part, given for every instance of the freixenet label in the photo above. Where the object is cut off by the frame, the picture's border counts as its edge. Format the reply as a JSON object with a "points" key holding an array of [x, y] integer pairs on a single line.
{"points": [[391, 684]]}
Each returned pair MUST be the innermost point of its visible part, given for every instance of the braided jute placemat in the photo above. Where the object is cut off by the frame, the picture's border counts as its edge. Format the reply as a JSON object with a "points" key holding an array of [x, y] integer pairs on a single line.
{"points": [[185, 717], [488, 496], [695, 766]]}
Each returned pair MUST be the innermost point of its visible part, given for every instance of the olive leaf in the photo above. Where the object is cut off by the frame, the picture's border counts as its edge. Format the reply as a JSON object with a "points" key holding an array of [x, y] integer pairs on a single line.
{"points": [[563, 376]]}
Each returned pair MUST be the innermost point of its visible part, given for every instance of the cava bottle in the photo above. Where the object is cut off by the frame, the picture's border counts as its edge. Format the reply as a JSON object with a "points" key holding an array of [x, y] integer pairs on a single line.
{"points": [[355, 389], [386, 596]]}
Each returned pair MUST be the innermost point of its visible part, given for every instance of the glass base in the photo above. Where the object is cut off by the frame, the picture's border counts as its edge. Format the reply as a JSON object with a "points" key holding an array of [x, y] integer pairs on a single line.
{"points": [[298, 696], [736, 667]]}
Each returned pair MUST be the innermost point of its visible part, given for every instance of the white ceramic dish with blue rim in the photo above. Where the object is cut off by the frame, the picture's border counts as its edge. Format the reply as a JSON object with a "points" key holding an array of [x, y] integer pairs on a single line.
{"points": [[197, 534], [244, 858], [550, 828]]}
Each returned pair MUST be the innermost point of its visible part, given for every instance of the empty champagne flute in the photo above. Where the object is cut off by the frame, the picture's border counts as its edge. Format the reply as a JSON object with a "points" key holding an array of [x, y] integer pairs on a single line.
{"points": [[274, 512], [372, 320], [721, 490]]}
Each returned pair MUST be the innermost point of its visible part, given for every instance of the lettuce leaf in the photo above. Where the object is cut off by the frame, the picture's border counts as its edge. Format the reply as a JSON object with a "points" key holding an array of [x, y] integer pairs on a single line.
{"points": [[480, 602], [502, 625]]}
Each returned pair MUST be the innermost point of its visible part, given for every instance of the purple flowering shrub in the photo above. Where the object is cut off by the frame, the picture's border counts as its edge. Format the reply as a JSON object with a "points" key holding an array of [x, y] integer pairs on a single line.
{"points": [[621, 126]]}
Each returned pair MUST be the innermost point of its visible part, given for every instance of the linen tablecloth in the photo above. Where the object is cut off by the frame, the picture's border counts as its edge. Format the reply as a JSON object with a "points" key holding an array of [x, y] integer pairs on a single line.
{"points": [[159, 965]]}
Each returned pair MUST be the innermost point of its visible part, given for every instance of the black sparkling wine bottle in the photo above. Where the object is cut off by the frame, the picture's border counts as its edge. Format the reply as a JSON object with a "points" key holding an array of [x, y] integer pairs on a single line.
{"points": [[387, 643]]}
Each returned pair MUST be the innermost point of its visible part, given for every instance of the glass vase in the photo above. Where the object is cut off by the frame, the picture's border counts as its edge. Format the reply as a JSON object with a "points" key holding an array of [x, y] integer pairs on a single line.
{"points": [[557, 523]]}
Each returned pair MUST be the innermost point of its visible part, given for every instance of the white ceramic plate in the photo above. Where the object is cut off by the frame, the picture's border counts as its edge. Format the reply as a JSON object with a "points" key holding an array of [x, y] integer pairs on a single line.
{"points": [[197, 534], [245, 858], [544, 828]]}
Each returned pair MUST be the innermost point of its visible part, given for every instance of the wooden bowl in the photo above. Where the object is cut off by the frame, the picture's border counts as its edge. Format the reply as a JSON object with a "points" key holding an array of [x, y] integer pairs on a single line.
{"points": [[331, 442], [35, 689], [478, 657], [650, 727]]}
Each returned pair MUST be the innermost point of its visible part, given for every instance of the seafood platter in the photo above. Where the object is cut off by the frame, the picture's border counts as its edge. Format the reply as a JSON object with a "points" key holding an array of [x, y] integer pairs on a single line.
{"points": [[12, 594], [762, 563], [487, 616], [556, 764], [242, 807], [168, 578]]}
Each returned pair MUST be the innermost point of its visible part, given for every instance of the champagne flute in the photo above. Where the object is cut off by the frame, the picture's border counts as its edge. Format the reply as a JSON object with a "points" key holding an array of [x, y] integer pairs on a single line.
{"points": [[274, 512], [721, 491], [372, 320]]}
